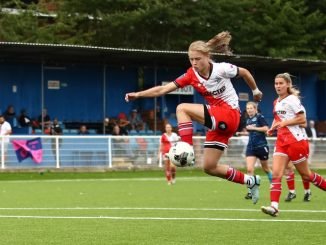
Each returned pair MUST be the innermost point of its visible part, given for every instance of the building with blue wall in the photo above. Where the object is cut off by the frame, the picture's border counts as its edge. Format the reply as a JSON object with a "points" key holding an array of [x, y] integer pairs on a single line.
{"points": [[86, 84]]}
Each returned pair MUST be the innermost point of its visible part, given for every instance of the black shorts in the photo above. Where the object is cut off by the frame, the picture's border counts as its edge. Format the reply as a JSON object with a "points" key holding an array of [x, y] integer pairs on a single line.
{"points": [[260, 152]]}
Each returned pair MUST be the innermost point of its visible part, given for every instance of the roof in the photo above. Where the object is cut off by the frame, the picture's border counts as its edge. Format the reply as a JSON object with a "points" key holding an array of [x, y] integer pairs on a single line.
{"points": [[62, 53]]}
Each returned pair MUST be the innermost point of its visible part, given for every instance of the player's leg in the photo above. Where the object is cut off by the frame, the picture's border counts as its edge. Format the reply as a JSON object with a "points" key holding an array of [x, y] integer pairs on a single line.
{"points": [[307, 191], [212, 167], [279, 163], [300, 152], [250, 162], [268, 171], [186, 113], [167, 168], [173, 171], [290, 181], [263, 156], [311, 176]]}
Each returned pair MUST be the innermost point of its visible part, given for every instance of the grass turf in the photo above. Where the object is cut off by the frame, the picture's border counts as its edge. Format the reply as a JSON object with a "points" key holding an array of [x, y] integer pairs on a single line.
{"points": [[140, 208]]}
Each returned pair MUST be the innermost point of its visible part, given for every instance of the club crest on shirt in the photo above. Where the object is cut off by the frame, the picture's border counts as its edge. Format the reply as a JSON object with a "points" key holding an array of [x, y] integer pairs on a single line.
{"points": [[222, 126]]}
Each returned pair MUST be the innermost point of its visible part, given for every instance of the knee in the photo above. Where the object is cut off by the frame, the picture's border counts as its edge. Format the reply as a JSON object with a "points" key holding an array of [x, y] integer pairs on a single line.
{"points": [[181, 108], [305, 177], [277, 175], [210, 169], [250, 170], [207, 169]]}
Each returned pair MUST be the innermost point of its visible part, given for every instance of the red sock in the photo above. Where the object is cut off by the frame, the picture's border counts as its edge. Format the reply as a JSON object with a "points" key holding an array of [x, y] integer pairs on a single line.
{"points": [[276, 190], [318, 181], [290, 181], [173, 171], [186, 132], [168, 172], [234, 175], [306, 184]]}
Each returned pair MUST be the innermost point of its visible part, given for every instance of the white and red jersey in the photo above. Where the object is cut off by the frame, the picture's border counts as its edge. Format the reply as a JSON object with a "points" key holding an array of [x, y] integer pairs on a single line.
{"points": [[217, 89], [286, 109], [167, 141]]}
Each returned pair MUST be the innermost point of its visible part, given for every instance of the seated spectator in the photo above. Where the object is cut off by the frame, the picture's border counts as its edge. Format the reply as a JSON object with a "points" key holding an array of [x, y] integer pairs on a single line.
{"points": [[136, 122], [107, 126], [123, 123], [120, 145], [83, 130], [44, 121], [23, 119], [10, 116], [56, 128]]}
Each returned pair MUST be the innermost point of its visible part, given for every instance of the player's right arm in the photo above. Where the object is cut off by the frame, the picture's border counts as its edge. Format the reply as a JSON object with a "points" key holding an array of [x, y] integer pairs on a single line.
{"points": [[271, 129], [152, 92]]}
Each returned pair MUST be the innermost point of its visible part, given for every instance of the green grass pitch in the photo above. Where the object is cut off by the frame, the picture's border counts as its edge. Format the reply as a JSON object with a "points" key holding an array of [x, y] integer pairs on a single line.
{"points": [[138, 207]]}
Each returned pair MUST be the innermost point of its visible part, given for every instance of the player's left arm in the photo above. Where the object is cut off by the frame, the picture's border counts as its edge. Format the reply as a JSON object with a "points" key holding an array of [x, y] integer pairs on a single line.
{"points": [[299, 119]]}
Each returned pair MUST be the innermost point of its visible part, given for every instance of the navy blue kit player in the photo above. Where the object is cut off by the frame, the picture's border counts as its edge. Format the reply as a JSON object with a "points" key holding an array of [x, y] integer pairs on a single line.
{"points": [[257, 147]]}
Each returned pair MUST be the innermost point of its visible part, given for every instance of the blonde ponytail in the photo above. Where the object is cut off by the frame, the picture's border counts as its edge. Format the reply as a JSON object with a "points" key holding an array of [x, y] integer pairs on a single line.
{"points": [[220, 43]]}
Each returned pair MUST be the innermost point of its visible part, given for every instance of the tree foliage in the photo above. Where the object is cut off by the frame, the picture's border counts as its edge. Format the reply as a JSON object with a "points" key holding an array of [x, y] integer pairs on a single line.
{"points": [[277, 28]]}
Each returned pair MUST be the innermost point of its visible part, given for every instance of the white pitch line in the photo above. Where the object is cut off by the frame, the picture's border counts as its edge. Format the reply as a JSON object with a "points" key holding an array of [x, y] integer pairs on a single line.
{"points": [[114, 180], [202, 178], [160, 218], [168, 209]]}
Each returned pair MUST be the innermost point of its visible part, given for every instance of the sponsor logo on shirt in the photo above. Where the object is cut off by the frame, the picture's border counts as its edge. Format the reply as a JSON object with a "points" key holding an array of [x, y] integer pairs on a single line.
{"points": [[215, 92]]}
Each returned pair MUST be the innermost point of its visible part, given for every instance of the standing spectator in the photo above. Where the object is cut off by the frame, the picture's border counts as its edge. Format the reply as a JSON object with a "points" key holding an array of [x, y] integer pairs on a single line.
{"points": [[312, 134], [83, 130], [10, 116], [5, 129], [167, 140], [311, 130]]}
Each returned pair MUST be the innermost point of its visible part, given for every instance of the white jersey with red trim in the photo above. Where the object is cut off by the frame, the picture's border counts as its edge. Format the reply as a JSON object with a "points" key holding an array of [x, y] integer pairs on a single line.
{"points": [[286, 109], [167, 141], [218, 88]]}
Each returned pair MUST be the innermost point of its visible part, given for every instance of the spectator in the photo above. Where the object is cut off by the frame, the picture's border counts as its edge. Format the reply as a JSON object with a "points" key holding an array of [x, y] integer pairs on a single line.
{"points": [[119, 144], [83, 130], [44, 121], [312, 135], [123, 123], [55, 130], [23, 119], [107, 127], [136, 122], [5, 129], [311, 130], [10, 116]]}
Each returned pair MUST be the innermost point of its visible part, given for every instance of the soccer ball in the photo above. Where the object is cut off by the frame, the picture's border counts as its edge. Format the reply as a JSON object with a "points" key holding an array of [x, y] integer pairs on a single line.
{"points": [[182, 154]]}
